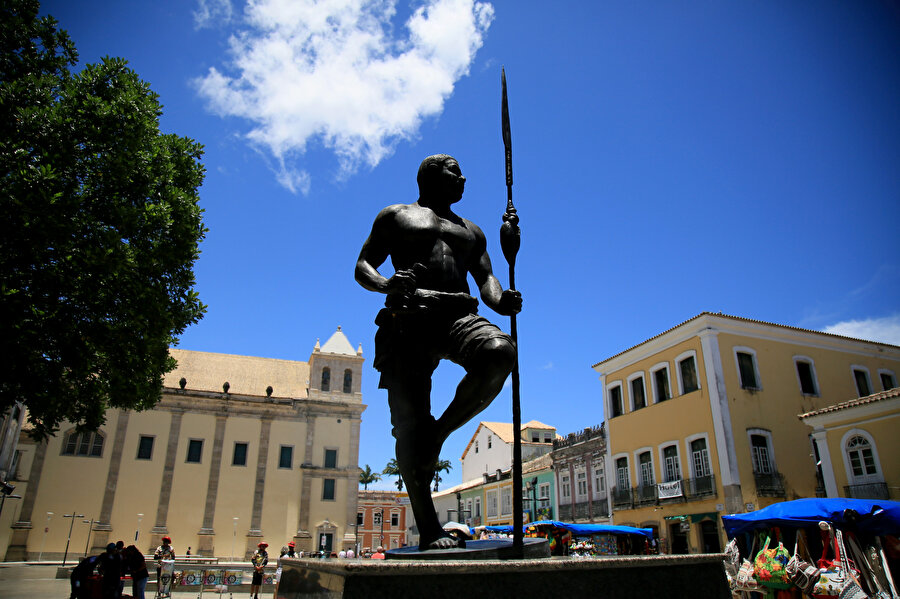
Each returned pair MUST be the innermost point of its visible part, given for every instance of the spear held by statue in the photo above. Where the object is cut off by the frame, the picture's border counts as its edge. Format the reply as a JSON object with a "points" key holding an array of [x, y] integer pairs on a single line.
{"points": [[509, 243]]}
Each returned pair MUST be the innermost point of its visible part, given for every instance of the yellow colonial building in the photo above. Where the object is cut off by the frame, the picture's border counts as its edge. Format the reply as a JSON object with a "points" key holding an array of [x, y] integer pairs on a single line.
{"points": [[240, 449], [858, 446], [701, 420]]}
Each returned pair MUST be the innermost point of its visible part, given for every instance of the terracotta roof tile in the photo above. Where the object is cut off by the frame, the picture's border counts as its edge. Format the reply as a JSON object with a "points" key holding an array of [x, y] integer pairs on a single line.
{"points": [[859, 401]]}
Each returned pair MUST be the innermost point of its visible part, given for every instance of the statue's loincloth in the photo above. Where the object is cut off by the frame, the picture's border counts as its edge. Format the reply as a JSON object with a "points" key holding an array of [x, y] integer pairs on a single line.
{"points": [[412, 339]]}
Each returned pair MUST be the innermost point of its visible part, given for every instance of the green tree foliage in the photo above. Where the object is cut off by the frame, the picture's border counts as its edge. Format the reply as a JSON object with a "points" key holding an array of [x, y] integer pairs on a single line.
{"points": [[101, 230], [367, 477], [440, 466], [393, 469]]}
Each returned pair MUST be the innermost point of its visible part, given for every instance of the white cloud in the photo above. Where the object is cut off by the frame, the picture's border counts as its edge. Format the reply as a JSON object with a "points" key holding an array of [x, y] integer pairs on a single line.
{"points": [[547, 366], [885, 330], [332, 72], [210, 12]]}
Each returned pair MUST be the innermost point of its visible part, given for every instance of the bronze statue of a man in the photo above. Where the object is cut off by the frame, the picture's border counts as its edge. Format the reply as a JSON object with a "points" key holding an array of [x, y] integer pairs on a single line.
{"points": [[430, 316]]}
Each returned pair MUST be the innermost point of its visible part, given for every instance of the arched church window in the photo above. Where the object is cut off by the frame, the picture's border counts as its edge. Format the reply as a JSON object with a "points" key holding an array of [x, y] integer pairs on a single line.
{"points": [[83, 444], [326, 379], [348, 381]]}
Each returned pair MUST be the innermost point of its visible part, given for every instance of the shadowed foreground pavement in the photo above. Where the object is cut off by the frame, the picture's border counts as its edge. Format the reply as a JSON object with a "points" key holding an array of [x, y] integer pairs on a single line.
{"points": [[25, 581]]}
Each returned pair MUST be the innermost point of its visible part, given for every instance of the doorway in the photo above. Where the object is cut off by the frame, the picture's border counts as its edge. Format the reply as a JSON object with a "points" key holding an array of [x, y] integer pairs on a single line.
{"points": [[325, 540], [709, 536], [678, 539]]}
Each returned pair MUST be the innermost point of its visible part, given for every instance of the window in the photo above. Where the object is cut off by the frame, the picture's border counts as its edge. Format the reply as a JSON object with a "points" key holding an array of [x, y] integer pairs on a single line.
{"points": [[759, 451], [476, 446], [548, 437], [615, 401], [331, 458], [490, 440], [348, 381], [700, 458], [670, 463], [376, 518], [747, 369], [565, 486], [491, 504], [395, 519], [581, 484], [862, 462], [328, 489], [145, 448], [478, 507], [661, 384], [240, 455], [599, 479], [505, 501], [638, 399], [645, 459], [544, 491], [326, 379], [194, 451], [687, 370], [807, 376], [888, 380], [359, 518], [861, 376], [623, 479], [88, 444], [535, 437], [286, 457]]}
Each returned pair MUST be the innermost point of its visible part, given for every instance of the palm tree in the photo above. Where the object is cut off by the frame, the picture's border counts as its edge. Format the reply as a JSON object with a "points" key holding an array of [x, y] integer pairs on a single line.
{"points": [[394, 470], [366, 476], [440, 466]]}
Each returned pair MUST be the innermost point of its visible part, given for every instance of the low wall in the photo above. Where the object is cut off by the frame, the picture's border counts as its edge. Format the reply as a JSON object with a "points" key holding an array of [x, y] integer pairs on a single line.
{"points": [[673, 577]]}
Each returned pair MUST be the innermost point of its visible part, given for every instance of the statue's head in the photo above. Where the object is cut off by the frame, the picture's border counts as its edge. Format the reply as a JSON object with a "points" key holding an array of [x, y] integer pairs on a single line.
{"points": [[440, 174]]}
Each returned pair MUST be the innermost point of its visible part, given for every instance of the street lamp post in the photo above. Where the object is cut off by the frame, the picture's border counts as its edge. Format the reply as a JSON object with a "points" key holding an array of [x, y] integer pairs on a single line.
{"points": [[233, 537], [137, 533], [73, 515], [90, 529], [44, 538]]}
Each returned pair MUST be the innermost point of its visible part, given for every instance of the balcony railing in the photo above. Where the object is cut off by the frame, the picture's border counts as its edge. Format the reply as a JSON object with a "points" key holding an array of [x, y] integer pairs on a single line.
{"points": [[621, 498], [685, 489], [868, 491], [700, 486], [646, 494], [584, 510], [769, 484]]}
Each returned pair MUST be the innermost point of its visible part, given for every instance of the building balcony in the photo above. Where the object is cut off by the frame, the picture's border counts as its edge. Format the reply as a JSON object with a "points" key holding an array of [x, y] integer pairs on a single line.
{"points": [[769, 484], [680, 490], [646, 494], [700, 486], [584, 510], [868, 491], [622, 498]]}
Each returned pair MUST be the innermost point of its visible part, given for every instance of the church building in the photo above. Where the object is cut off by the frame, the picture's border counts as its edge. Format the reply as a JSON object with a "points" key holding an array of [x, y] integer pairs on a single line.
{"points": [[239, 449]]}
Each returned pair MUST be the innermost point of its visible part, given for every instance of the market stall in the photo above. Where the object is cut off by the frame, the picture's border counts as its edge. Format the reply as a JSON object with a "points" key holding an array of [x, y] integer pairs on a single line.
{"points": [[815, 547]]}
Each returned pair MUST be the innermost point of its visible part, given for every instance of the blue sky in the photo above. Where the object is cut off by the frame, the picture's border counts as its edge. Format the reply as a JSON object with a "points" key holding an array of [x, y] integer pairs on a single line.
{"points": [[669, 158]]}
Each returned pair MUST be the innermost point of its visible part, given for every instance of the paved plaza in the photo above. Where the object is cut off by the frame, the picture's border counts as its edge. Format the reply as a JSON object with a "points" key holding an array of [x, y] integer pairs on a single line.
{"points": [[28, 581]]}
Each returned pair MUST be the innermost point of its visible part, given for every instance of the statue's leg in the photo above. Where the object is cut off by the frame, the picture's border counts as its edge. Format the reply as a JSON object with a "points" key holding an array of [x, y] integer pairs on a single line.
{"points": [[486, 371], [417, 449]]}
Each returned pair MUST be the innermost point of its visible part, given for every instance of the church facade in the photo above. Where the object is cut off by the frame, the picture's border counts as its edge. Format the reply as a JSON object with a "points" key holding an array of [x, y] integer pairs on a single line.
{"points": [[240, 449]]}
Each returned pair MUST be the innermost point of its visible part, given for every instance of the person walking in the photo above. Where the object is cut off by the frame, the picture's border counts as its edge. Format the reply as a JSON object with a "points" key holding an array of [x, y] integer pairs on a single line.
{"points": [[259, 560]]}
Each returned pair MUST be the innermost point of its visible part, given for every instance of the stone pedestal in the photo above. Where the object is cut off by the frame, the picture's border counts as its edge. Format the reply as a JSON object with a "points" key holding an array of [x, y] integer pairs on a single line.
{"points": [[638, 577]]}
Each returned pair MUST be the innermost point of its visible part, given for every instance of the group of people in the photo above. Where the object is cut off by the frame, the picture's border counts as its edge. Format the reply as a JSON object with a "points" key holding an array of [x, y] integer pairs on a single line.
{"points": [[116, 562]]}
